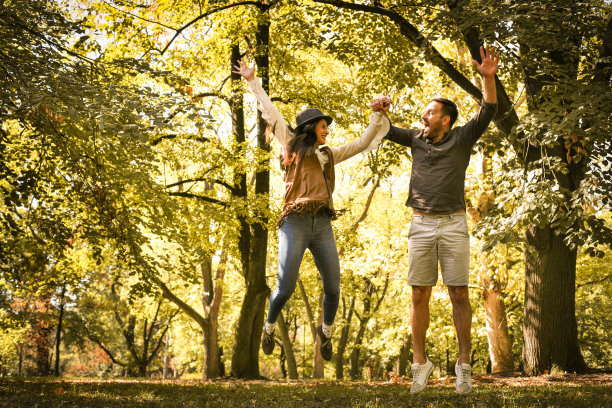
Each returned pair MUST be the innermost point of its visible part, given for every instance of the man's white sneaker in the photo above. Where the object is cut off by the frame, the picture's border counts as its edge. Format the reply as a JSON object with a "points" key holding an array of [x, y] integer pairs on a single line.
{"points": [[464, 378], [420, 374]]}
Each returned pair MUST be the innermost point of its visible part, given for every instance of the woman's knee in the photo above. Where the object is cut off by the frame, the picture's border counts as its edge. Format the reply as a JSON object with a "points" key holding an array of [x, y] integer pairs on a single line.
{"points": [[284, 292], [332, 294]]}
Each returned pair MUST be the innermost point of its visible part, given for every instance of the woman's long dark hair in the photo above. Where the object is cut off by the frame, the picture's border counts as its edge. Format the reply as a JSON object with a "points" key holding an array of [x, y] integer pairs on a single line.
{"points": [[302, 143]]}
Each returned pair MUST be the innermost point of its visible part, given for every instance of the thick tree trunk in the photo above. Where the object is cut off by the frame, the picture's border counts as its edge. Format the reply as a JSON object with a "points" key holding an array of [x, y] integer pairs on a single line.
{"points": [[288, 347], [245, 359], [549, 325], [40, 335]]}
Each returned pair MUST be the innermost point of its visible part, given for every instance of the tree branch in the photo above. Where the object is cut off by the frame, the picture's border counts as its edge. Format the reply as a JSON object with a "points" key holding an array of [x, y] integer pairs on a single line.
{"points": [[191, 312], [364, 213], [174, 136], [148, 336], [208, 13], [107, 351], [605, 278], [137, 16], [161, 338], [382, 296], [506, 117], [414, 36], [202, 198]]}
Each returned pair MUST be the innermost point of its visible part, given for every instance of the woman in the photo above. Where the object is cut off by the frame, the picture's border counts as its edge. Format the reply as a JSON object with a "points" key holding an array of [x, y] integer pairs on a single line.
{"points": [[308, 209]]}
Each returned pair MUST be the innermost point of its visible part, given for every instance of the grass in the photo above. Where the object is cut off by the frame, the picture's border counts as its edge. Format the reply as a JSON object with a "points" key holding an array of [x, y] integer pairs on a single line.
{"points": [[564, 391]]}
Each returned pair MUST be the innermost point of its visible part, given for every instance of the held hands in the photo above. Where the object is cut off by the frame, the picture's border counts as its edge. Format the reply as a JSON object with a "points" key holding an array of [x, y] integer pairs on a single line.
{"points": [[243, 69], [381, 104], [490, 59]]}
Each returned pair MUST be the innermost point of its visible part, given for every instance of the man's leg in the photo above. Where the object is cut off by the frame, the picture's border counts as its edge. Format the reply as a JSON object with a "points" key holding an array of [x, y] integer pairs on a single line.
{"points": [[422, 276], [419, 319], [462, 319]]}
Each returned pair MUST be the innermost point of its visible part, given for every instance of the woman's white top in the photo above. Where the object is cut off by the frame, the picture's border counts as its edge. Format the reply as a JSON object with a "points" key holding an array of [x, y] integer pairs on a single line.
{"points": [[369, 140]]}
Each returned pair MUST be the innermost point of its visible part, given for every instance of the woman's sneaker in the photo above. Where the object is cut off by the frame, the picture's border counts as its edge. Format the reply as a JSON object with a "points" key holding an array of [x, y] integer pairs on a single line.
{"points": [[464, 378], [326, 344], [267, 342], [420, 374]]}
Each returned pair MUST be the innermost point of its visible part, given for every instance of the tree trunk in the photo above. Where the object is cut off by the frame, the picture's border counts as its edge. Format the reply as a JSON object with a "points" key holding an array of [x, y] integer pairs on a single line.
{"points": [[40, 335], [549, 325], [355, 371], [368, 312], [288, 347], [318, 364], [500, 343], [211, 301], [405, 356], [245, 358], [317, 357], [20, 365], [343, 339], [166, 357], [58, 333]]}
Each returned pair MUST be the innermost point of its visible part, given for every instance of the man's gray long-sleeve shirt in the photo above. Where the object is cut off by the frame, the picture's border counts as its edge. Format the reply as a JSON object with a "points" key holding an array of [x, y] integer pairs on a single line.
{"points": [[438, 170]]}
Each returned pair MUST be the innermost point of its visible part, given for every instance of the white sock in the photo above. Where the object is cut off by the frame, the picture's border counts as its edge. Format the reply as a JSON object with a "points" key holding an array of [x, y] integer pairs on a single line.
{"points": [[327, 329], [270, 327]]}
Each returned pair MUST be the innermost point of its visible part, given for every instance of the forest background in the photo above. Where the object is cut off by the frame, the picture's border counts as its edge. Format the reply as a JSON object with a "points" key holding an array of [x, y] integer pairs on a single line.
{"points": [[140, 194]]}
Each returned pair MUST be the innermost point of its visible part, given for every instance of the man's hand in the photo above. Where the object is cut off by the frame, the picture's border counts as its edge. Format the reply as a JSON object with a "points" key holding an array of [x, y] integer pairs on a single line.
{"points": [[381, 104], [490, 59], [243, 69]]}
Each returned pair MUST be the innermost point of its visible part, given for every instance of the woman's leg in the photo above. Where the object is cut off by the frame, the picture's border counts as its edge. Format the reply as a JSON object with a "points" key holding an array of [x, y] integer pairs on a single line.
{"points": [[325, 254], [293, 238]]}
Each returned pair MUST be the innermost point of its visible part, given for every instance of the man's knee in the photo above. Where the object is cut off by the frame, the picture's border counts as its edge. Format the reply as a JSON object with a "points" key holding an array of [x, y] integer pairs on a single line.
{"points": [[421, 294], [459, 294]]}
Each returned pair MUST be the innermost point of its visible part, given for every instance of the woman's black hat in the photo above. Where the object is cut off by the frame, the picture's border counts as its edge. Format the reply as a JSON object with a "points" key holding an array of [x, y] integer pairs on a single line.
{"points": [[310, 115]]}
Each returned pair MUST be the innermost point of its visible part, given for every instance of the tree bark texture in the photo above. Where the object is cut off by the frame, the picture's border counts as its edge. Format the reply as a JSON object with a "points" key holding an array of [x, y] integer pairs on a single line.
{"points": [[500, 343], [288, 347], [211, 301], [550, 330], [245, 357]]}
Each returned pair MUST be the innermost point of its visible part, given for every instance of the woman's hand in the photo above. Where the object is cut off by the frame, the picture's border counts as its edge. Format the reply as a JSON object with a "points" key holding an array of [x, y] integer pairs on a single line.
{"points": [[243, 69], [381, 104]]}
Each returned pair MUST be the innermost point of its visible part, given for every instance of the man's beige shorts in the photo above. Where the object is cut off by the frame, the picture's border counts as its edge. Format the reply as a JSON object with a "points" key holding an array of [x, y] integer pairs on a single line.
{"points": [[439, 238]]}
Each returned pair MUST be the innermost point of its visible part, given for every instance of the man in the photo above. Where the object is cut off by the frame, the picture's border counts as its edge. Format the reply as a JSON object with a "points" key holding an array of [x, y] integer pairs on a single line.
{"points": [[438, 232]]}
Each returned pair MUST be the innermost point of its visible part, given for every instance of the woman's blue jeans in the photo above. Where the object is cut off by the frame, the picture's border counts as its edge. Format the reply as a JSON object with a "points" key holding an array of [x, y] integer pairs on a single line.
{"points": [[298, 232]]}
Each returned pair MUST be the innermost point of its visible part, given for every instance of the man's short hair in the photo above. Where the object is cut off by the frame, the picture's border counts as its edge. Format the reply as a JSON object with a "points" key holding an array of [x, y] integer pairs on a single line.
{"points": [[449, 108]]}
